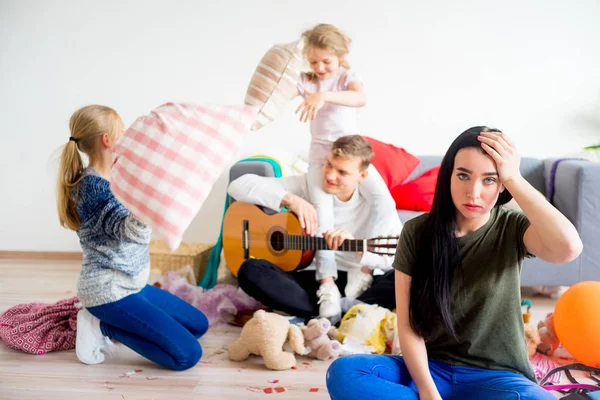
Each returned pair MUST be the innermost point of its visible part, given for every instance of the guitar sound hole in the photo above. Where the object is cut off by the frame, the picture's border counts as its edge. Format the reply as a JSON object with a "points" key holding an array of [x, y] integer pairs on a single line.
{"points": [[277, 241]]}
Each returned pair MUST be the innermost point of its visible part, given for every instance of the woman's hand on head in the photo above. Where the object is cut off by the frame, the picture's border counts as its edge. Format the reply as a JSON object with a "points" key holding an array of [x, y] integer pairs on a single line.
{"points": [[503, 152]]}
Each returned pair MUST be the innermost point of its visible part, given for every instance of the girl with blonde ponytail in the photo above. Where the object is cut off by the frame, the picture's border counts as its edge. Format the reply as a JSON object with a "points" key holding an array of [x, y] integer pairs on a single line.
{"points": [[112, 286], [87, 125]]}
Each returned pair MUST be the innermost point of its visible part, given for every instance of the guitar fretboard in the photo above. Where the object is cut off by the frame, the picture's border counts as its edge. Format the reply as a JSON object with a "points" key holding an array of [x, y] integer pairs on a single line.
{"points": [[298, 242]]}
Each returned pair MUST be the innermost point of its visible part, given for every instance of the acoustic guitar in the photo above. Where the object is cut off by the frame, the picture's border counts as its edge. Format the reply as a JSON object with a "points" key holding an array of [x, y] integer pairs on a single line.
{"points": [[249, 232]]}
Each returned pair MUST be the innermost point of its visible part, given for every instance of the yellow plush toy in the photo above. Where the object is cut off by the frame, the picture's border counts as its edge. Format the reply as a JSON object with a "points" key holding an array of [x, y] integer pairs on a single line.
{"points": [[549, 343], [370, 326], [265, 335]]}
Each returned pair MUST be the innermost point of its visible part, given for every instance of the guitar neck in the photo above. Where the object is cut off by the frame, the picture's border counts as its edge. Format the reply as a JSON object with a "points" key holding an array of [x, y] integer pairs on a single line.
{"points": [[298, 242]]}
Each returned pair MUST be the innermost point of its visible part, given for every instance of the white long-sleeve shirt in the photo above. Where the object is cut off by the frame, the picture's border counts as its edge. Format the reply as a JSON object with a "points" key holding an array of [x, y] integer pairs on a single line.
{"points": [[353, 215]]}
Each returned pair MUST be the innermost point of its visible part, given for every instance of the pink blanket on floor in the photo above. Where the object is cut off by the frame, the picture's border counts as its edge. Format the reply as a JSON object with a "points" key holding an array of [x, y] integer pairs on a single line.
{"points": [[219, 304], [39, 328]]}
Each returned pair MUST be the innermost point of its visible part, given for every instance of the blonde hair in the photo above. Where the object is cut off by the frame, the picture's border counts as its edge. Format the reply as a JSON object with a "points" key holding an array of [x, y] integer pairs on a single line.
{"points": [[353, 146], [85, 125], [330, 38]]}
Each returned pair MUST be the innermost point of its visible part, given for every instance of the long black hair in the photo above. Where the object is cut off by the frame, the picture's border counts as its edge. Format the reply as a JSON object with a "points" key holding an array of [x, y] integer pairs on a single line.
{"points": [[437, 255]]}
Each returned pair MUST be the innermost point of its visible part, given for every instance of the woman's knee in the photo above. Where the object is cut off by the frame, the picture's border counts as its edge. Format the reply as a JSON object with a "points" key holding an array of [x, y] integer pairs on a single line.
{"points": [[343, 367], [343, 373], [336, 376]]}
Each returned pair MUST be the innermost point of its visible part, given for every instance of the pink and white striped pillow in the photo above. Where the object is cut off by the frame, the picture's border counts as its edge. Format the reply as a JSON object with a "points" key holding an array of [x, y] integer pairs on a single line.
{"points": [[166, 163], [275, 81]]}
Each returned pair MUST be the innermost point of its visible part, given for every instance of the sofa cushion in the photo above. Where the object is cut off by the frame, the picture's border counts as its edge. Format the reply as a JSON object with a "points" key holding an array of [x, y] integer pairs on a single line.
{"points": [[417, 195], [394, 164]]}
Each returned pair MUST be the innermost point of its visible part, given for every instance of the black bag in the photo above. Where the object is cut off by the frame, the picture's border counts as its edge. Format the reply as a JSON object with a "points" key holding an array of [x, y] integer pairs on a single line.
{"points": [[574, 390]]}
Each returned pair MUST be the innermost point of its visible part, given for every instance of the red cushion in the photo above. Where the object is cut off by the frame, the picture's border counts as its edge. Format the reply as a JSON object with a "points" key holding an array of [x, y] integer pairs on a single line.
{"points": [[394, 164], [417, 195]]}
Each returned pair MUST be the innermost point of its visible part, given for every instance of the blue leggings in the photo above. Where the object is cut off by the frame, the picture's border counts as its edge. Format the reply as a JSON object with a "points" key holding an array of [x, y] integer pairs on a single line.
{"points": [[157, 325], [385, 377]]}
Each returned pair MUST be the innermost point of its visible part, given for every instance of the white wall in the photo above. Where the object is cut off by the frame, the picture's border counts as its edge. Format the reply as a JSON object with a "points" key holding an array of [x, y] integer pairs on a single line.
{"points": [[431, 69]]}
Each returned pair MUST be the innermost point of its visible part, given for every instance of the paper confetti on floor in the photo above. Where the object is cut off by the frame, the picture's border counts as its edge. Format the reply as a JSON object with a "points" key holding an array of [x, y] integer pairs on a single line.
{"points": [[130, 373], [268, 390]]}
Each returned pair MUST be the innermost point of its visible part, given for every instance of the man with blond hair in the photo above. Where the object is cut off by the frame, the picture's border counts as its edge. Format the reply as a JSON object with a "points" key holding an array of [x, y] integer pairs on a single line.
{"points": [[304, 293]]}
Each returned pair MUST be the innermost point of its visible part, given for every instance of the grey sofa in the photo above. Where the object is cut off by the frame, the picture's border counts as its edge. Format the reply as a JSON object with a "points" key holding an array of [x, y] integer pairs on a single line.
{"points": [[576, 195]]}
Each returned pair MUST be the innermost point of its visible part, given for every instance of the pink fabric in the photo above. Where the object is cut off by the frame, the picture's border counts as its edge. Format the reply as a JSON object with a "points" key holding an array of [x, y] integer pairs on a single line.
{"points": [[39, 328], [543, 364], [219, 304], [166, 163]]}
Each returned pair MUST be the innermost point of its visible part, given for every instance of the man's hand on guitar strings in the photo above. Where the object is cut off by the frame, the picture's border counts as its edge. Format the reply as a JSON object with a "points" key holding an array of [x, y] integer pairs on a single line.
{"points": [[336, 237], [306, 212]]}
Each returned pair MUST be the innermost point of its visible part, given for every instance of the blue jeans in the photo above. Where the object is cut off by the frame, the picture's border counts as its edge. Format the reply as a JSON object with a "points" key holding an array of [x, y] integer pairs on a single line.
{"points": [[385, 377], [157, 325]]}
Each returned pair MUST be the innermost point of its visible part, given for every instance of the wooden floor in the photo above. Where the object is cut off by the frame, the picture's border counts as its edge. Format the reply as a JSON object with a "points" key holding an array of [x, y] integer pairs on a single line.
{"points": [[60, 375]]}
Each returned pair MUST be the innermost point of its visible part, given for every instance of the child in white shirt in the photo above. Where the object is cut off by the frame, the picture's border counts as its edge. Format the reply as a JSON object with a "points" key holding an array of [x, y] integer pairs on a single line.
{"points": [[332, 94]]}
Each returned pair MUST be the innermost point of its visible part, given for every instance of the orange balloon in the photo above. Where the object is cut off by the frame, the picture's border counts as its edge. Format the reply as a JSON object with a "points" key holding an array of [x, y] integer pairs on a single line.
{"points": [[577, 322]]}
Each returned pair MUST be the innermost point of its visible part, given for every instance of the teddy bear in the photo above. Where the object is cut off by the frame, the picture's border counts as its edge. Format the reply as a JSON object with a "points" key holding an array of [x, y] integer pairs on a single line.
{"points": [[549, 340], [549, 343], [318, 345], [532, 338], [265, 335]]}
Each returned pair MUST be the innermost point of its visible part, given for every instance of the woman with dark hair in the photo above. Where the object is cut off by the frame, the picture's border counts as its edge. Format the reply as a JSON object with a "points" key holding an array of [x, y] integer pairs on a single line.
{"points": [[458, 284]]}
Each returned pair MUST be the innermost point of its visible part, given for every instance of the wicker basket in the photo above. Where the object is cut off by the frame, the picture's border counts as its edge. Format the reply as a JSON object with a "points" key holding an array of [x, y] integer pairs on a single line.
{"points": [[193, 254]]}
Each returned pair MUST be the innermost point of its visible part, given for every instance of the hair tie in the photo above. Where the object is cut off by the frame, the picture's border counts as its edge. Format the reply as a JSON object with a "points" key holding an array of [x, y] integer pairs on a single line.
{"points": [[348, 44], [72, 139]]}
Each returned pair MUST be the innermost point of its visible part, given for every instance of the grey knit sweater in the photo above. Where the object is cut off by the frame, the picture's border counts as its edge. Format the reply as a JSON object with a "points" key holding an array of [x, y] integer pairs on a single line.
{"points": [[116, 262]]}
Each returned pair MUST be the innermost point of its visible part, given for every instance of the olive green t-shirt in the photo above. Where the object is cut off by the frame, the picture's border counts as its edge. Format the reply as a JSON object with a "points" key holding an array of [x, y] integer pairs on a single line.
{"points": [[486, 295]]}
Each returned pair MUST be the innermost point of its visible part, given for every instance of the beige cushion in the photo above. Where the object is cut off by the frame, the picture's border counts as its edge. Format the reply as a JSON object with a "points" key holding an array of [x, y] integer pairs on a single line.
{"points": [[275, 81]]}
